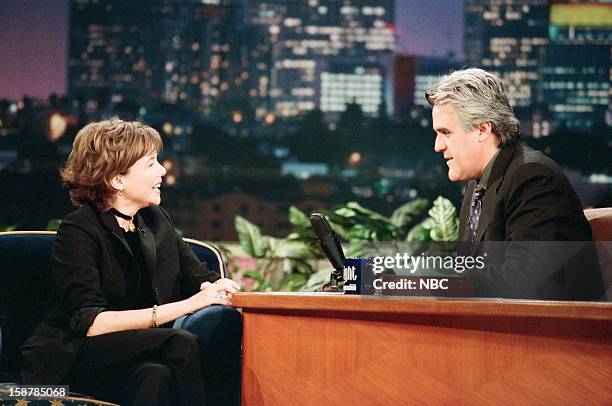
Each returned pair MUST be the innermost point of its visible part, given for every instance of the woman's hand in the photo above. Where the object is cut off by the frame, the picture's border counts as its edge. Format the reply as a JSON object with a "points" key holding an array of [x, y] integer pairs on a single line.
{"points": [[209, 295], [219, 292], [229, 286]]}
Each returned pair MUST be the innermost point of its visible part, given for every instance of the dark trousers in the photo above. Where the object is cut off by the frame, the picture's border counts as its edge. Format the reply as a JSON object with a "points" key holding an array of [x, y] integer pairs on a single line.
{"points": [[140, 367], [197, 363], [219, 333]]}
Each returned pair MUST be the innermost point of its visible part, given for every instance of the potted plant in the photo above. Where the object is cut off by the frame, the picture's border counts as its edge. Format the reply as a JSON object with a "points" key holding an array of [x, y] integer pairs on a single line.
{"points": [[291, 263]]}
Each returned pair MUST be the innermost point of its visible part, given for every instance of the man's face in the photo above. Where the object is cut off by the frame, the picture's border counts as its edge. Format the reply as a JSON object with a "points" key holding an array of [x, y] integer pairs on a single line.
{"points": [[461, 149]]}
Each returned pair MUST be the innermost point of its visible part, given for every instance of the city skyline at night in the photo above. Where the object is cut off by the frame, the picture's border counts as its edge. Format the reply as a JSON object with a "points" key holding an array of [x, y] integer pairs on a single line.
{"points": [[296, 100], [34, 40]]}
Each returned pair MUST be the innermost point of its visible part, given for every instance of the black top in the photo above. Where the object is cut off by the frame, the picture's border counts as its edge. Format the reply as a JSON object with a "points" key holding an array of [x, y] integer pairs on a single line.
{"points": [[91, 258], [137, 281]]}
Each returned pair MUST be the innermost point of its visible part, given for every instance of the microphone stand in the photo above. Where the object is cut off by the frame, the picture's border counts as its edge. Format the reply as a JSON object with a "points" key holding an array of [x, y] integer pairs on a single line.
{"points": [[331, 248], [334, 279]]}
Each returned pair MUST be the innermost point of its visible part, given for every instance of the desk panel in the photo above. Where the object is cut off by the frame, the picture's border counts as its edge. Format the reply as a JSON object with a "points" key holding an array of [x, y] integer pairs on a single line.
{"points": [[335, 349]]}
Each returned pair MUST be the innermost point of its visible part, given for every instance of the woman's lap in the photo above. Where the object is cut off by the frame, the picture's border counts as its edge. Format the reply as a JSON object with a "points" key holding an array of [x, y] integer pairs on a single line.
{"points": [[110, 359], [99, 352], [108, 365]]}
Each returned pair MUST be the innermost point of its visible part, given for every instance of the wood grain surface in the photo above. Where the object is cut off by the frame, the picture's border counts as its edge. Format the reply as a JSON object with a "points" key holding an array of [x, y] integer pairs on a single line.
{"points": [[332, 349]]}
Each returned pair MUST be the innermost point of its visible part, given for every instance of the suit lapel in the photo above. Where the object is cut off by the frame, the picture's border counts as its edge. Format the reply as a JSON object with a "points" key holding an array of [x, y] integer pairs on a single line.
{"points": [[490, 197]]}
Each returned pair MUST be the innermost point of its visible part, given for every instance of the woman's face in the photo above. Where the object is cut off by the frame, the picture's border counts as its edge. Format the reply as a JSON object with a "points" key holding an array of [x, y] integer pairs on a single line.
{"points": [[142, 182]]}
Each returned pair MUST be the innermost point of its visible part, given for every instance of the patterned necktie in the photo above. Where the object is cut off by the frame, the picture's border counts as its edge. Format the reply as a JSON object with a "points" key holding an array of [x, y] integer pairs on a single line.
{"points": [[475, 207]]}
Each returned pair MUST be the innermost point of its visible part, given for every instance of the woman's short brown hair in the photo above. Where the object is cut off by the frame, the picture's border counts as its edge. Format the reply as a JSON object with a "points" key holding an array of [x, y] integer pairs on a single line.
{"points": [[101, 151]]}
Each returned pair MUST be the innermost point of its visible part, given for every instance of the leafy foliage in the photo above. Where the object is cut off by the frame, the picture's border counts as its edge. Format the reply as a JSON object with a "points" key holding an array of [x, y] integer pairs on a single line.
{"points": [[445, 226], [53, 224], [289, 264], [282, 263]]}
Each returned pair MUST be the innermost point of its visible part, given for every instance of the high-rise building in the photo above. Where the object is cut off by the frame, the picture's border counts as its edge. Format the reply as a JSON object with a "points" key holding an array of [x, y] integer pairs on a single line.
{"points": [[553, 55], [342, 85], [113, 51], [201, 49], [314, 42], [183, 52], [509, 38], [404, 71], [427, 72], [232, 59], [577, 75]]}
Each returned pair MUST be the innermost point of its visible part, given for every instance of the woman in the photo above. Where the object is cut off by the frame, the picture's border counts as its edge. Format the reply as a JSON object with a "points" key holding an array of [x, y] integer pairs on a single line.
{"points": [[121, 272]]}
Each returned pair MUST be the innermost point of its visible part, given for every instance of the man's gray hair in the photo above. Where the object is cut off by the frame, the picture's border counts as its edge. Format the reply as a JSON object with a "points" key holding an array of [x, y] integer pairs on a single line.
{"points": [[478, 97]]}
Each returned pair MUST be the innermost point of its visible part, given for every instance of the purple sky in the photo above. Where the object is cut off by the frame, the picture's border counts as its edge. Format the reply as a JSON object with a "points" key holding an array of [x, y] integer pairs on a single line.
{"points": [[34, 33], [429, 27]]}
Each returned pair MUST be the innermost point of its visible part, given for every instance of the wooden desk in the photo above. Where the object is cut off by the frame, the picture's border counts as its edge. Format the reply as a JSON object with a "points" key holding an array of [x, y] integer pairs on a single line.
{"points": [[332, 349]]}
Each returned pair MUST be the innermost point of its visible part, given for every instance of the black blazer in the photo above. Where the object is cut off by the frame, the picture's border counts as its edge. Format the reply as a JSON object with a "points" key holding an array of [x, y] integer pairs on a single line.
{"points": [[529, 198], [90, 259]]}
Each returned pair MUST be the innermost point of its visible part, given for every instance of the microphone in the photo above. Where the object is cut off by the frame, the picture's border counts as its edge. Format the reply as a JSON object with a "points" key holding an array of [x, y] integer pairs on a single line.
{"points": [[329, 244]]}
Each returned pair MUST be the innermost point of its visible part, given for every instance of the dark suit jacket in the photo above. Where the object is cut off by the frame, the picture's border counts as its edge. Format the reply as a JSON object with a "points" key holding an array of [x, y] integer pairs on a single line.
{"points": [[90, 258], [531, 206]]}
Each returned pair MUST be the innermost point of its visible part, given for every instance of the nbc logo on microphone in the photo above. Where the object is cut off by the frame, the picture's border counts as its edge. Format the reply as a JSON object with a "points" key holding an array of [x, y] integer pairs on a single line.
{"points": [[349, 273]]}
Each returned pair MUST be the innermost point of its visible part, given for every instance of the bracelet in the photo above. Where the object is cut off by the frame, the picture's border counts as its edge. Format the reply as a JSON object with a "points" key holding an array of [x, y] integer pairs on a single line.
{"points": [[154, 316]]}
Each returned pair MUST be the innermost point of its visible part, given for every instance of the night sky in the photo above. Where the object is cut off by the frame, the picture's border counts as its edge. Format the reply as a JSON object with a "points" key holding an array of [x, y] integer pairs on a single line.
{"points": [[34, 33]]}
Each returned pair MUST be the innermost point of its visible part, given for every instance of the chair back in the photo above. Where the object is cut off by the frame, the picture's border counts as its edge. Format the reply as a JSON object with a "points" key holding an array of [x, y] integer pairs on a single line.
{"points": [[25, 292], [210, 254], [26, 281]]}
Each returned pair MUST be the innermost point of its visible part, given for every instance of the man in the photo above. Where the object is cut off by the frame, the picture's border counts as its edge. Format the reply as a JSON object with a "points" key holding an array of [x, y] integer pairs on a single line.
{"points": [[515, 194]]}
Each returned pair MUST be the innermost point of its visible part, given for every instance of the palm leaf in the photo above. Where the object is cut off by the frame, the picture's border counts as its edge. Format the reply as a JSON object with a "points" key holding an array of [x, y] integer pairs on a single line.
{"points": [[316, 281], [283, 248], [408, 212], [422, 231], [446, 223], [367, 214], [262, 283], [298, 218], [355, 248], [292, 282], [250, 238]]}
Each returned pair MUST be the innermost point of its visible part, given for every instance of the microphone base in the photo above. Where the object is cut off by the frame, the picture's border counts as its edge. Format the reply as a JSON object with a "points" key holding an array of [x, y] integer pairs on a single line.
{"points": [[334, 283], [329, 288]]}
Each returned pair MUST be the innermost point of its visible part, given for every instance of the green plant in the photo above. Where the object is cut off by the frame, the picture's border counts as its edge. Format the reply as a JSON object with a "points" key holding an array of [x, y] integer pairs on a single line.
{"points": [[282, 263], [359, 225], [290, 263], [53, 224]]}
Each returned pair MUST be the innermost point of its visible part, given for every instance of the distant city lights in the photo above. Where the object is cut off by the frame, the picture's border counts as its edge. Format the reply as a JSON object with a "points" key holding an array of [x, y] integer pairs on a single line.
{"points": [[57, 126]]}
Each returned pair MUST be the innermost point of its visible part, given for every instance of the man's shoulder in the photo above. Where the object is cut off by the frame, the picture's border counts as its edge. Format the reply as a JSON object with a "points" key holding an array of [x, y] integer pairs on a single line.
{"points": [[527, 162]]}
